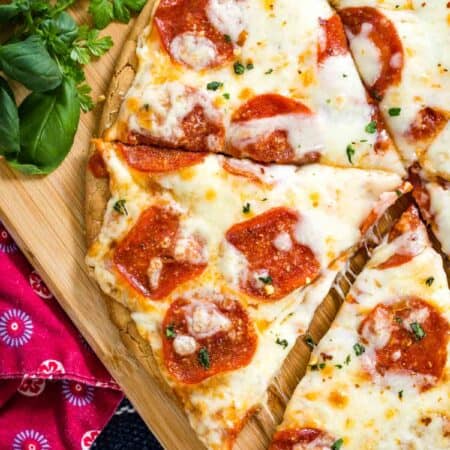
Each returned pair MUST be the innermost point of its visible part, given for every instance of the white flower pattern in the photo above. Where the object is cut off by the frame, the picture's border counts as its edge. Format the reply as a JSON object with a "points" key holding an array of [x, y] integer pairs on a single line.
{"points": [[77, 394], [30, 440], [16, 327]]}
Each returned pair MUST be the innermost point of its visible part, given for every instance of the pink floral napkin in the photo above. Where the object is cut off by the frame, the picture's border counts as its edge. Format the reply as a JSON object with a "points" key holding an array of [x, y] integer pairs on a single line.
{"points": [[54, 392]]}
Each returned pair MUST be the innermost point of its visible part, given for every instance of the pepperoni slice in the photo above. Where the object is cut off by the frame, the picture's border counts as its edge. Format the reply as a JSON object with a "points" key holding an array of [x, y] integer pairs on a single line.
{"points": [[97, 165], [427, 124], [333, 41], [411, 228], [154, 258], [152, 159], [277, 263], [198, 131], [268, 140], [301, 439], [188, 35], [382, 32], [407, 336], [206, 336]]}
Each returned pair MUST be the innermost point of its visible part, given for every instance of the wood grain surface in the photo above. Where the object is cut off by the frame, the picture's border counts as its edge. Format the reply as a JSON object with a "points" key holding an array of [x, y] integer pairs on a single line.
{"points": [[46, 217]]}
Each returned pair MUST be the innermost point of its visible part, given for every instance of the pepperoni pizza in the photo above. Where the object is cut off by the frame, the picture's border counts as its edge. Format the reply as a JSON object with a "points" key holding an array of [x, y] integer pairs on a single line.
{"points": [[379, 377], [401, 49], [223, 262], [256, 79], [242, 167]]}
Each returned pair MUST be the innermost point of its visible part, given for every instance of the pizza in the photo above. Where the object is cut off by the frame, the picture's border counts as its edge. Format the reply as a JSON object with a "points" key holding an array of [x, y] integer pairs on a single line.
{"points": [[223, 262], [401, 50], [254, 79], [241, 162], [379, 377]]}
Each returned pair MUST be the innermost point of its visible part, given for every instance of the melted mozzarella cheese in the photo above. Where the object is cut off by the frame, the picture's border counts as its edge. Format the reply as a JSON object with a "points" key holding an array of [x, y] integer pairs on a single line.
{"points": [[366, 53], [303, 132], [335, 398], [184, 345], [283, 242], [228, 17], [205, 320], [440, 209], [195, 51]]}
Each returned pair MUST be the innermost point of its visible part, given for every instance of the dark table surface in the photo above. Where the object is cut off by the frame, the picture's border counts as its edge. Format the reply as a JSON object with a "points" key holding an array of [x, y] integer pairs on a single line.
{"points": [[126, 431]]}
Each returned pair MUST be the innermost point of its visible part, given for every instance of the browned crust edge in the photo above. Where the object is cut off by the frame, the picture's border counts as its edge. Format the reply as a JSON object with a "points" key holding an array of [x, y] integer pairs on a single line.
{"points": [[97, 191]]}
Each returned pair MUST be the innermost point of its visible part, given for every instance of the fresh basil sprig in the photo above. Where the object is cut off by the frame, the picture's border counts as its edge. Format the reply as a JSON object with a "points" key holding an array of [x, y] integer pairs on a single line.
{"points": [[46, 52]]}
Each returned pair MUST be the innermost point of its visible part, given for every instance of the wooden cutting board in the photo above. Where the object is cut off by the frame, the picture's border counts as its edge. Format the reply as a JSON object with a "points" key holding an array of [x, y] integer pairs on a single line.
{"points": [[45, 216]]}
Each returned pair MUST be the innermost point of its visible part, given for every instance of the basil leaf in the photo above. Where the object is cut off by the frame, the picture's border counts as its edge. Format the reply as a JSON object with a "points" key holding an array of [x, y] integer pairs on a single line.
{"points": [[121, 12], [135, 5], [48, 122], [30, 63], [9, 123]]}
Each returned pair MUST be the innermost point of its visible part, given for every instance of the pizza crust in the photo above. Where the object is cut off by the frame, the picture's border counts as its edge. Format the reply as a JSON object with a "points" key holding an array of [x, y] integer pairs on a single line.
{"points": [[97, 191]]}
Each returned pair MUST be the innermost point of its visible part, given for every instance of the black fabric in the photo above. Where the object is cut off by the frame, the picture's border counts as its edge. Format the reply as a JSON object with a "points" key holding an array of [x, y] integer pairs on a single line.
{"points": [[126, 431]]}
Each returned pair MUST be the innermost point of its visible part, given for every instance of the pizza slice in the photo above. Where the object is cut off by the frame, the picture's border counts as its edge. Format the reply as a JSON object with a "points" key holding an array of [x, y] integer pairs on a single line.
{"points": [[379, 377], [401, 50], [222, 263], [271, 81]]}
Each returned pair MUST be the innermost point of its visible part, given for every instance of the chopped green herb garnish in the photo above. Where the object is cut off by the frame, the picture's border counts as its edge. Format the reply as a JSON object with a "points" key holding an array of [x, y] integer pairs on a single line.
{"points": [[393, 112], [359, 349], [398, 319], [250, 66], [318, 366], [328, 100], [344, 75], [120, 207], [418, 331], [239, 68], [268, 72], [339, 366], [203, 358], [266, 280], [227, 37], [429, 281], [214, 85], [170, 331], [398, 192], [400, 394], [363, 140], [371, 127], [226, 95], [337, 444], [347, 360], [309, 341], [246, 208], [350, 153], [283, 342]]}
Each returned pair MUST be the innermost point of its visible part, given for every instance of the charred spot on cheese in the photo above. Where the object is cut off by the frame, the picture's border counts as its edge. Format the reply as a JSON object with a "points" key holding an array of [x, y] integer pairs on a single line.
{"points": [[274, 128], [370, 29], [291, 267], [416, 344], [218, 337], [154, 257], [310, 438]]}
